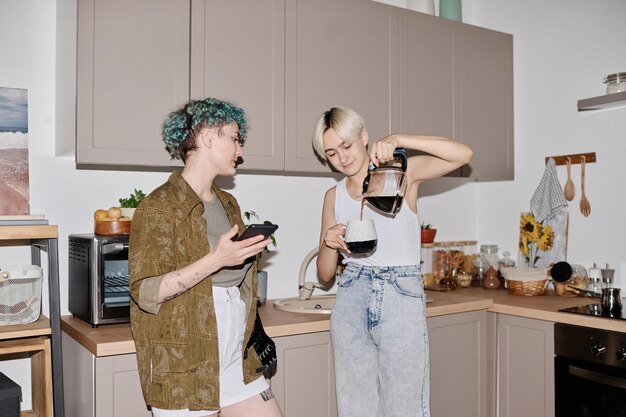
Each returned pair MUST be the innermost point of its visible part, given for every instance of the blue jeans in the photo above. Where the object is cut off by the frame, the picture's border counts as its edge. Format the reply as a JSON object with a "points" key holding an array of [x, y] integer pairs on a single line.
{"points": [[380, 342]]}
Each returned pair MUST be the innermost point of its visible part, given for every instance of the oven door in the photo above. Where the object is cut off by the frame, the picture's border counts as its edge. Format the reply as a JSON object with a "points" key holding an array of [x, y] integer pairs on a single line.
{"points": [[586, 389], [114, 294]]}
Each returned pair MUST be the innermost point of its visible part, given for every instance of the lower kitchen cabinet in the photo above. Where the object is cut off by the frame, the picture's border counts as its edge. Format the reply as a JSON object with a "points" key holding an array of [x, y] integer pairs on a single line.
{"points": [[103, 387], [459, 377], [304, 384], [525, 367]]}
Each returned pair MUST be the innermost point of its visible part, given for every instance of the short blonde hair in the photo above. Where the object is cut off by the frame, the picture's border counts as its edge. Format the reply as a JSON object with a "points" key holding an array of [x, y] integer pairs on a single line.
{"points": [[347, 123]]}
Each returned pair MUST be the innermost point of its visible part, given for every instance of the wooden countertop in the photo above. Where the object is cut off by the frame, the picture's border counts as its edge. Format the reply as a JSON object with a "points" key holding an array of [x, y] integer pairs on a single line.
{"points": [[116, 339]]}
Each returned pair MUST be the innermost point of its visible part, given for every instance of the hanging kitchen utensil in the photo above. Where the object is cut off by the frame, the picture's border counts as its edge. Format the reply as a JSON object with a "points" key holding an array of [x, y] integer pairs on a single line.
{"points": [[585, 206], [570, 189]]}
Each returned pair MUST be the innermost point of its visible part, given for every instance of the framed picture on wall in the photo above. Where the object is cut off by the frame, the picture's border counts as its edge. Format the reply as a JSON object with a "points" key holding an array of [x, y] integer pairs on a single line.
{"points": [[14, 184]]}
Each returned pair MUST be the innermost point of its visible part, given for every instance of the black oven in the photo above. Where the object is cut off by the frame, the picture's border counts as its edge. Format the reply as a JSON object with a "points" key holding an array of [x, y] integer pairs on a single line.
{"points": [[99, 278], [590, 372]]}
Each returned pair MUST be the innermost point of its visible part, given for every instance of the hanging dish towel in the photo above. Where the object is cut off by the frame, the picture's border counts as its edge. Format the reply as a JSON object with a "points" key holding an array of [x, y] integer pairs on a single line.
{"points": [[548, 200]]}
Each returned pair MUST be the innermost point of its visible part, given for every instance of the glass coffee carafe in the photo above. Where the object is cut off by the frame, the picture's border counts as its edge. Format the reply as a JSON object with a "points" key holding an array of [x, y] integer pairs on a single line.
{"points": [[385, 185]]}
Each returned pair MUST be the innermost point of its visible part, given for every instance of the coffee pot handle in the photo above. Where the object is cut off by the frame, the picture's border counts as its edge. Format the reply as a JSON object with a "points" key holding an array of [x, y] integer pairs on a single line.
{"points": [[401, 153]]}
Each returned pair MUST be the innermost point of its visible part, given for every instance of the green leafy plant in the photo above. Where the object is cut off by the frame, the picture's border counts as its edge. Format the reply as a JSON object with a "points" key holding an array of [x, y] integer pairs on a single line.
{"points": [[253, 215], [426, 226], [133, 200]]}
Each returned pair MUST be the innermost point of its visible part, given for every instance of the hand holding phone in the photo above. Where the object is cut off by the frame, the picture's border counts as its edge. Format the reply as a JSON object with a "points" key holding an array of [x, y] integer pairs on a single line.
{"points": [[258, 229]]}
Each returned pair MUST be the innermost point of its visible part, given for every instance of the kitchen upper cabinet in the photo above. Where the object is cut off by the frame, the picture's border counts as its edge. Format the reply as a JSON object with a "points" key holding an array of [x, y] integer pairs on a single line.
{"points": [[304, 384], [484, 101], [525, 367], [426, 74], [456, 81], [132, 69], [238, 54], [338, 53], [285, 62]]}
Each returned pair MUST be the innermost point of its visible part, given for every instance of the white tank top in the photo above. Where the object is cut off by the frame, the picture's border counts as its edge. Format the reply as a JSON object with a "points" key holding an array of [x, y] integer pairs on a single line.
{"points": [[398, 237]]}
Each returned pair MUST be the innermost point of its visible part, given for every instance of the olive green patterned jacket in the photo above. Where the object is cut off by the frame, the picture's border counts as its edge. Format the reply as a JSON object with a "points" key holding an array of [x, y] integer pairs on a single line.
{"points": [[177, 347]]}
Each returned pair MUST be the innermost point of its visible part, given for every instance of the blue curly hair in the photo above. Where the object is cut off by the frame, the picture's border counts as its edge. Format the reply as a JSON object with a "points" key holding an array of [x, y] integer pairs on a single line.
{"points": [[181, 127]]}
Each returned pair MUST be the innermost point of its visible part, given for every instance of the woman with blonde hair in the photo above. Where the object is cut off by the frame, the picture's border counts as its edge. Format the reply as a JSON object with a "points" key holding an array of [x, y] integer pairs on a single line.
{"points": [[378, 323]]}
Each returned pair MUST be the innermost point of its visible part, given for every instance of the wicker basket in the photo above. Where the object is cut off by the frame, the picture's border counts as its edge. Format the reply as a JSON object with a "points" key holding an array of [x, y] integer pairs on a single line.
{"points": [[525, 281], [527, 287]]}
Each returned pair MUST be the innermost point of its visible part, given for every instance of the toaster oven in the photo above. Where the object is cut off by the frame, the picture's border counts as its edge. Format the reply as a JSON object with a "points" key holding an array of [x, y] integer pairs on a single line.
{"points": [[99, 278]]}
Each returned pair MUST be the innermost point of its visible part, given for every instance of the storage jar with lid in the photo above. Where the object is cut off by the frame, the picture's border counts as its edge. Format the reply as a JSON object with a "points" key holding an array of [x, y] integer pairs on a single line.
{"points": [[615, 83], [426, 254], [504, 262], [441, 260], [457, 257], [490, 252], [470, 250]]}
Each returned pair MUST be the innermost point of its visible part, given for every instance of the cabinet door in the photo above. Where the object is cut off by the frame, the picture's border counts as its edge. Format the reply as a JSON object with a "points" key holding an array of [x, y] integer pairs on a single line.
{"points": [[339, 53], [118, 390], [484, 97], [526, 367], [426, 74], [458, 365], [304, 384], [132, 70], [238, 53]]}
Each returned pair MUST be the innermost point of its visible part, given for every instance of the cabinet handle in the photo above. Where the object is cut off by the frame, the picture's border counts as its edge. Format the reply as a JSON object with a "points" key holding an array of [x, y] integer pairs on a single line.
{"points": [[597, 377]]}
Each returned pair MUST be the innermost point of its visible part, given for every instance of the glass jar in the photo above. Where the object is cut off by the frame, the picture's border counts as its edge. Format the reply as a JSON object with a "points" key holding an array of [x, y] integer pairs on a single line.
{"points": [[441, 260], [577, 279], [615, 83], [504, 262], [457, 257], [470, 249], [480, 269], [490, 253], [426, 253]]}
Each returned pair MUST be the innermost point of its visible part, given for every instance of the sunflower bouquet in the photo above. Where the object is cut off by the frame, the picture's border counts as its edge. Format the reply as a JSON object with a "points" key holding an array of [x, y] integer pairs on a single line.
{"points": [[534, 236]]}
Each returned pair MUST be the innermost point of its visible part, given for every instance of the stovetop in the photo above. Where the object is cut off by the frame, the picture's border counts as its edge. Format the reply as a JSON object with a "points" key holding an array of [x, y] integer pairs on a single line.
{"points": [[596, 311]]}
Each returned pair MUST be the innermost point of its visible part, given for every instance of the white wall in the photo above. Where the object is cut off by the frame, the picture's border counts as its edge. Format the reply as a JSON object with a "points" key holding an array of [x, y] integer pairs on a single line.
{"points": [[563, 49]]}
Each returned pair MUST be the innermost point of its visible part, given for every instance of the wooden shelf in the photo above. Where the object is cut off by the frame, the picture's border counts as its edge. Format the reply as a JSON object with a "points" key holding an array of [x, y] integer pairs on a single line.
{"points": [[39, 352], [28, 232], [606, 101], [41, 327]]}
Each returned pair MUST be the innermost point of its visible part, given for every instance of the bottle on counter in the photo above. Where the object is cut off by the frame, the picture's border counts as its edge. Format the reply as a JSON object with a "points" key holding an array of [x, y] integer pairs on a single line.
{"points": [[426, 256]]}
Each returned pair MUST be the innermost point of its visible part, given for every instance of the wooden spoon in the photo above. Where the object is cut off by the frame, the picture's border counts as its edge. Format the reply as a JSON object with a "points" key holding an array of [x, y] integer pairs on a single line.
{"points": [[570, 190], [585, 206]]}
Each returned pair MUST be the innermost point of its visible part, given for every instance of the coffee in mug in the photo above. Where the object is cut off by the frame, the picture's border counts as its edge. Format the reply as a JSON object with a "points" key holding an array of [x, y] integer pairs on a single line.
{"points": [[361, 236]]}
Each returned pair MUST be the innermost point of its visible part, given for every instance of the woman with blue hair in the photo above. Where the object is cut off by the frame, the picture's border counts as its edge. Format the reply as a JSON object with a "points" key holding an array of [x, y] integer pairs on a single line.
{"points": [[193, 286]]}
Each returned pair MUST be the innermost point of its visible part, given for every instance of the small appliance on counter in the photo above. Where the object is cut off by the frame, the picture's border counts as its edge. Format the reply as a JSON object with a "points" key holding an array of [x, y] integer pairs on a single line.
{"points": [[99, 278]]}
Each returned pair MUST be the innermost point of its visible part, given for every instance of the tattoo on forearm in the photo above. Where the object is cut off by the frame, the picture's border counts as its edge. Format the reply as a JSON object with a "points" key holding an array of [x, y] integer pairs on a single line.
{"points": [[267, 395]]}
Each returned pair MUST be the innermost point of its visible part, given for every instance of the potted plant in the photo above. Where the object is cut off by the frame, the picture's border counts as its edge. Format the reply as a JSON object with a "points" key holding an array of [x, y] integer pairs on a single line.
{"points": [[261, 275], [128, 205], [428, 233]]}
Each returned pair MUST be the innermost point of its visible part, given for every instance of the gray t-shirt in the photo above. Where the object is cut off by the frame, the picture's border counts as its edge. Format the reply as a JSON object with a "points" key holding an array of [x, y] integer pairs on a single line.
{"points": [[217, 225]]}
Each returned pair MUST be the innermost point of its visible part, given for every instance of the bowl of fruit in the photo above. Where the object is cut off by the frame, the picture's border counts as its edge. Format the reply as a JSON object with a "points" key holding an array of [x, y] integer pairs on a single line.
{"points": [[111, 222]]}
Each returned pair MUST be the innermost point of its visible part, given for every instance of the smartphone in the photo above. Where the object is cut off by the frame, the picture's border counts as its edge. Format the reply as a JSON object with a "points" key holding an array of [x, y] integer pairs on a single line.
{"points": [[258, 229]]}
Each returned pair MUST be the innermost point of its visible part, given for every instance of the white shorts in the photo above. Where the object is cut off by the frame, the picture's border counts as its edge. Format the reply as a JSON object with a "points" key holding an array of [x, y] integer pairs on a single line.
{"points": [[230, 312]]}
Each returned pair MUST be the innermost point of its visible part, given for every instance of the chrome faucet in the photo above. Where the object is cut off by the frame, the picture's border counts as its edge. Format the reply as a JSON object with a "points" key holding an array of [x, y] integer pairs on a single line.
{"points": [[305, 289]]}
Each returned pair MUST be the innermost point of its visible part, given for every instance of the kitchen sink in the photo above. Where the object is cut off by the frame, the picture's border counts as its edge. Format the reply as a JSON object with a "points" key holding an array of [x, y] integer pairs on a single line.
{"points": [[319, 304]]}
